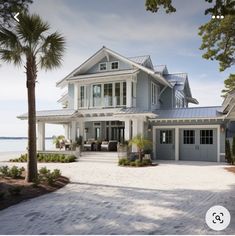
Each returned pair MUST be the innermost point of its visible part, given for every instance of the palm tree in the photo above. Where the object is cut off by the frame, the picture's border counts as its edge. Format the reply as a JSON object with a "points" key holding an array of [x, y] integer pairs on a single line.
{"points": [[140, 143], [30, 44]]}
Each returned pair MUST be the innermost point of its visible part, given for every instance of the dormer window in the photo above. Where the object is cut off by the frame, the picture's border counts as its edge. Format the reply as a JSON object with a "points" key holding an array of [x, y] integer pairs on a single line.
{"points": [[114, 65], [103, 66]]}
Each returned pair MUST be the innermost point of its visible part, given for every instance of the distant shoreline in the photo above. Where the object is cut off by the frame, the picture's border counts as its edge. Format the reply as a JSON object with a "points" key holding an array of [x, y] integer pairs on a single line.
{"points": [[18, 138]]}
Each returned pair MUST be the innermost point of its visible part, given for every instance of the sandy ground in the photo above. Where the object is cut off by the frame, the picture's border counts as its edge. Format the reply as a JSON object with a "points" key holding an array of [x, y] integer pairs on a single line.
{"points": [[171, 198]]}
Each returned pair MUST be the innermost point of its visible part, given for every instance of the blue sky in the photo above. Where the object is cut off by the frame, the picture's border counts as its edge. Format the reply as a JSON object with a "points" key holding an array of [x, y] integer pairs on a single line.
{"points": [[125, 27]]}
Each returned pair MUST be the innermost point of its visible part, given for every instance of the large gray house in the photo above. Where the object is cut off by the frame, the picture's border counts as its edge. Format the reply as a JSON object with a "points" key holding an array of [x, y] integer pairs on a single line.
{"points": [[112, 97]]}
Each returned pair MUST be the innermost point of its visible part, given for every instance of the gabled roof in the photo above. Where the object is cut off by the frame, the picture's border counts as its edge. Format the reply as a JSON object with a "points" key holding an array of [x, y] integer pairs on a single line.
{"points": [[161, 69], [190, 113], [180, 82], [105, 52], [139, 59]]}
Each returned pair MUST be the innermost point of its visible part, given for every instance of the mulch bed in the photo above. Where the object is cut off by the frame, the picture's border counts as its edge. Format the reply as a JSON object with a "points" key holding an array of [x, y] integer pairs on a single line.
{"points": [[28, 190], [230, 169]]}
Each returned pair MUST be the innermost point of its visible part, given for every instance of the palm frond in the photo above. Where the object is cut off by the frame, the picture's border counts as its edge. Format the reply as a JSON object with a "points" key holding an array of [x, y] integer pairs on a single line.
{"points": [[52, 51], [8, 39], [31, 28], [10, 56]]}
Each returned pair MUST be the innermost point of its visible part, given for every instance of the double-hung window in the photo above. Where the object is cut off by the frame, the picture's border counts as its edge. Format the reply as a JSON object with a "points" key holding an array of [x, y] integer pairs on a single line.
{"points": [[154, 89], [103, 66], [114, 65]]}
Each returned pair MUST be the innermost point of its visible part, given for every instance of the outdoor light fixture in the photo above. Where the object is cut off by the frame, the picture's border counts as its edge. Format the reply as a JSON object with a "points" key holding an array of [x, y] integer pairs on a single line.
{"points": [[222, 129]]}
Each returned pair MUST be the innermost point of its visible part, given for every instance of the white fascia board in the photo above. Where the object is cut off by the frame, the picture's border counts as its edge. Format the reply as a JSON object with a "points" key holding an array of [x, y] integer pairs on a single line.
{"points": [[103, 74]]}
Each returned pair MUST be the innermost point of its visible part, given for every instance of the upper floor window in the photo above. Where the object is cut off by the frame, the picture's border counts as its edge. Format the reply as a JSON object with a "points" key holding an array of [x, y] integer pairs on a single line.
{"points": [[154, 95], [114, 65], [103, 66]]}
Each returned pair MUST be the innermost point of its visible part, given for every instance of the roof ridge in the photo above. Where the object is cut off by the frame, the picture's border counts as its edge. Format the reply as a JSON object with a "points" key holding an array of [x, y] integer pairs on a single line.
{"points": [[139, 56]]}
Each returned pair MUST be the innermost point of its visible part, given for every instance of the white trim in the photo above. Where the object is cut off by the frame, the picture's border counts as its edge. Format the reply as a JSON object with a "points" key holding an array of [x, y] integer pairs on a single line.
{"points": [[192, 127], [177, 145]]}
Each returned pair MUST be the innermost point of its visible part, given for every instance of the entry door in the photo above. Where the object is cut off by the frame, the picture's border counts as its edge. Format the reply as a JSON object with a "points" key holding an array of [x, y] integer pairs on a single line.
{"points": [[165, 149]]}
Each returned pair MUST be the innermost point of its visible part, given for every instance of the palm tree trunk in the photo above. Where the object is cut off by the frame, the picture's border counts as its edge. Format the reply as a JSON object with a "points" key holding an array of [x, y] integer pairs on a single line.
{"points": [[31, 73]]}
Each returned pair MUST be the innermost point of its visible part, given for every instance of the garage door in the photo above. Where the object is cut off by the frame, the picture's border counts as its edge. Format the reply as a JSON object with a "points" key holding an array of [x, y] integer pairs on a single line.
{"points": [[165, 144], [198, 144]]}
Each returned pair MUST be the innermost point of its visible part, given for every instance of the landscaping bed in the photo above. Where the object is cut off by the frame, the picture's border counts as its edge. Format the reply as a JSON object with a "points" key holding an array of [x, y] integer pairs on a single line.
{"points": [[230, 169], [48, 157], [135, 163], [14, 189]]}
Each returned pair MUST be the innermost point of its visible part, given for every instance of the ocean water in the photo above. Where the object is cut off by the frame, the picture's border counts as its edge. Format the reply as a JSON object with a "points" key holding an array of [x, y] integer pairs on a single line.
{"points": [[11, 148]]}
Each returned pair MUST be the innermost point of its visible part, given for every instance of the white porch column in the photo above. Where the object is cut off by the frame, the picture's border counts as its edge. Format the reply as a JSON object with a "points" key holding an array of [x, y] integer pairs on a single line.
{"points": [[73, 131], [218, 144], [154, 143], [128, 93], [127, 134], [75, 96], [141, 127], [177, 148], [135, 132], [81, 129], [66, 131], [41, 136]]}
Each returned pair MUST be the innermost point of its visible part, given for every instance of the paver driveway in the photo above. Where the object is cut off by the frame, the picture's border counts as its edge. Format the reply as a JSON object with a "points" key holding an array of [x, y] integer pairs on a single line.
{"points": [[171, 198]]}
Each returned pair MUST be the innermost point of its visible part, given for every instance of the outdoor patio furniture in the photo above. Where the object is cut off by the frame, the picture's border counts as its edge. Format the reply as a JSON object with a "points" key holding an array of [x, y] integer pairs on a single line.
{"points": [[88, 145], [110, 145]]}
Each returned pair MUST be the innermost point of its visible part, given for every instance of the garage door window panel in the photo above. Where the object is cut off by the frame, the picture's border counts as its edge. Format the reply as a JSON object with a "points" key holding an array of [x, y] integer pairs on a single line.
{"points": [[206, 136], [189, 137], [166, 136]]}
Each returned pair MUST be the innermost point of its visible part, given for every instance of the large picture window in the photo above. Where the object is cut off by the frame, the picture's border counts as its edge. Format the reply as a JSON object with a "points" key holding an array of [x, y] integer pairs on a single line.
{"points": [[117, 94], [165, 136], [108, 95], [189, 137], [206, 136], [97, 95], [82, 96]]}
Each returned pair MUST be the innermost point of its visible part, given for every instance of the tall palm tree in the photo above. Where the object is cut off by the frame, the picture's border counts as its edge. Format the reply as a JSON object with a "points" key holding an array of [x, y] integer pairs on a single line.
{"points": [[30, 44], [140, 143]]}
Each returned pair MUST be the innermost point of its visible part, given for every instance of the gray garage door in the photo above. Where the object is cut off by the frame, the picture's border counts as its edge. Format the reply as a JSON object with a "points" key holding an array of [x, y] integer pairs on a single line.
{"points": [[165, 144], [198, 144]]}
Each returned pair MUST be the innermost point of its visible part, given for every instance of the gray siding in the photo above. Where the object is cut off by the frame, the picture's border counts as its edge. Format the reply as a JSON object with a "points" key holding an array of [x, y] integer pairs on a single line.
{"points": [[122, 65], [167, 98], [71, 96], [142, 91]]}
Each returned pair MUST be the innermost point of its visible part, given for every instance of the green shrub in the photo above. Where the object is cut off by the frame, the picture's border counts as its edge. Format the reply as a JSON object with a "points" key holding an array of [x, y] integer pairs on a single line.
{"points": [[147, 162], [228, 155], [132, 163], [138, 163], [13, 172], [49, 157], [16, 172], [15, 191], [4, 171], [45, 175]]}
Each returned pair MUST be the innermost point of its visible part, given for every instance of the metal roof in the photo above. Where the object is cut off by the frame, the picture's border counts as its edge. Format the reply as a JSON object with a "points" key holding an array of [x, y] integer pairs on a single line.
{"points": [[139, 59], [190, 113], [179, 78], [136, 111], [160, 69], [50, 113]]}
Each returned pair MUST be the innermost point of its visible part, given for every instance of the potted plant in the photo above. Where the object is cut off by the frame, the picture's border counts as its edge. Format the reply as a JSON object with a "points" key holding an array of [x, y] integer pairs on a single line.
{"points": [[141, 143], [58, 141]]}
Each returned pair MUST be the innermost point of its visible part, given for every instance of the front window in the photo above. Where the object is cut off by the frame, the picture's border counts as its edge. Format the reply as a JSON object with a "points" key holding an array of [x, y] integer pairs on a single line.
{"points": [[114, 65], [82, 96], [189, 137], [117, 94], [108, 95], [97, 95], [165, 136], [124, 93], [206, 136], [103, 66], [154, 93]]}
